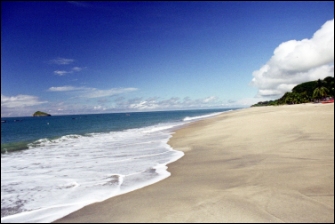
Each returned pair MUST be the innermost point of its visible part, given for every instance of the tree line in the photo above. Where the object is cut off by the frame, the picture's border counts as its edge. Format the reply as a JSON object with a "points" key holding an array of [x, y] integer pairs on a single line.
{"points": [[306, 92]]}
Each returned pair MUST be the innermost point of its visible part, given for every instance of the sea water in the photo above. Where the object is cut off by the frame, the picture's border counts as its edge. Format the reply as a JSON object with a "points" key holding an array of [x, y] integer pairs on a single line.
{"points": [[52, 166]]}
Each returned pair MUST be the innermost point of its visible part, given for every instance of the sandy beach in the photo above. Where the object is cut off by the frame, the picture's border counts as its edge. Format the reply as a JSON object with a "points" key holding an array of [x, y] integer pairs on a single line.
{"points": [[264, 164]]}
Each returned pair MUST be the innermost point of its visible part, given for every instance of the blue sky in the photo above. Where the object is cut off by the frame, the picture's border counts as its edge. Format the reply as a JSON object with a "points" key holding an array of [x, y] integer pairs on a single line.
{"points": [[101, 57]]}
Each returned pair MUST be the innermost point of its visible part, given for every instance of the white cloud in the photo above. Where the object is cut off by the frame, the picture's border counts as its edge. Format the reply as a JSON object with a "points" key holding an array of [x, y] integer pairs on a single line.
{"points": [[245, 102], [61, 61], [99, 107], [65, 88], [77, 69], [19, 101], [153, 103], [143, 105], [209, 99], [87, 92], [96, 93], [61, 73], [294, 62]]}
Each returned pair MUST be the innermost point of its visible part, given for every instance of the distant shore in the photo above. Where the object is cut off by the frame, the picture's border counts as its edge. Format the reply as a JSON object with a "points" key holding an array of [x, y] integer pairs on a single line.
{"points": [[261, 164]]}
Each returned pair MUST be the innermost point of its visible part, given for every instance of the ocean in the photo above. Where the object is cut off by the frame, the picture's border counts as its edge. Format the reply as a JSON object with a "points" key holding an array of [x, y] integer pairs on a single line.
{"points": [[53, 166]]}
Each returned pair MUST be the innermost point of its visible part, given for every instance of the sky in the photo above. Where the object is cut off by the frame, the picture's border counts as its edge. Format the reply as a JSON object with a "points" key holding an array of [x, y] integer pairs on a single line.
{"points": [[104, 57]]}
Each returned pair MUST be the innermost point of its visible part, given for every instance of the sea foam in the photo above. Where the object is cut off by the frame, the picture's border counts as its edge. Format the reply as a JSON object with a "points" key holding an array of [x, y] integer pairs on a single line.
{"points": [[56, 177]]}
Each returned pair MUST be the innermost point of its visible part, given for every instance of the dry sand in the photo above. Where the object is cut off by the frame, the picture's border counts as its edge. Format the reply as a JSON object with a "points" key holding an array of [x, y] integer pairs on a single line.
{"points": [[266, 164]]}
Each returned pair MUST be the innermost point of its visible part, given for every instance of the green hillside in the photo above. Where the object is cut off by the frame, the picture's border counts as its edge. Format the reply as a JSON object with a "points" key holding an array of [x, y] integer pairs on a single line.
{"points": [[304, 93]]}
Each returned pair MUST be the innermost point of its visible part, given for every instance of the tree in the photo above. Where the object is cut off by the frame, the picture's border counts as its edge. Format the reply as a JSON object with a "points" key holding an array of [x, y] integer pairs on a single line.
{"points": [[320, 91], [305, 92]]}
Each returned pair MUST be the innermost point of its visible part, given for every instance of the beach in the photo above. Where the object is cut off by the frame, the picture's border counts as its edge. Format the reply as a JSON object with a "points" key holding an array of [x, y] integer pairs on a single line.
{"points": [[261, 164]]}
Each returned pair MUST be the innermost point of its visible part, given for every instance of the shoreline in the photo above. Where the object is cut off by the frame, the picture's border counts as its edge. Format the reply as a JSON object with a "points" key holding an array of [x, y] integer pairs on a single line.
{"points": [[262, 164]]}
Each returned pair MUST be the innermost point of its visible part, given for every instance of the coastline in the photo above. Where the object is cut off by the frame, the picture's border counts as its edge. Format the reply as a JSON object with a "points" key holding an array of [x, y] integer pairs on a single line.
{"points": [[262, 164]]}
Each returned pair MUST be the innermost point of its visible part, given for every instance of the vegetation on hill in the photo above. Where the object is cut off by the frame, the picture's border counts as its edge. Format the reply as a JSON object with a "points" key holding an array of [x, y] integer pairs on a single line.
{"points": [[304, 93], [40, 114]]}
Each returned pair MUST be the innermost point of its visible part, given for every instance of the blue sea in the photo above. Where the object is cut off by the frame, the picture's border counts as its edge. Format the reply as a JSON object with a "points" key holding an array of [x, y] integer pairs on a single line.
{"points": [[52, 166]]}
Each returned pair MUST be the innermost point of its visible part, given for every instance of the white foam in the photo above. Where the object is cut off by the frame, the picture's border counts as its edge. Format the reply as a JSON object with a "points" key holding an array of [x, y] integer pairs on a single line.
{"points": [[57, 177], [162, 127]]}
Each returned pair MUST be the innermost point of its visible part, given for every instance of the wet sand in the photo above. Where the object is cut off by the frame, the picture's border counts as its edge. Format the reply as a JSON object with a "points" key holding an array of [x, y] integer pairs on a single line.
{"points": [[265, 164]]}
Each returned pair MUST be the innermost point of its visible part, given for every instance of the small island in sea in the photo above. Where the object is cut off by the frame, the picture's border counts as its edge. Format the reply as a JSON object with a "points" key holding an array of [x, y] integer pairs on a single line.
{"points": [[40, 114]]}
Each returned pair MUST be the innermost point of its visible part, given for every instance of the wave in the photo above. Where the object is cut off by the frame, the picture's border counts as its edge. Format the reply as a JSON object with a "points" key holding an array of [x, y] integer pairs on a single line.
{"points": [[18, 146], [12, 147], [81, 170]]}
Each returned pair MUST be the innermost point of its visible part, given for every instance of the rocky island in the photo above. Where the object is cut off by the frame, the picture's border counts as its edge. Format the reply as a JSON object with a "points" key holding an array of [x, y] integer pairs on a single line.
{"points": [[40, 114]]}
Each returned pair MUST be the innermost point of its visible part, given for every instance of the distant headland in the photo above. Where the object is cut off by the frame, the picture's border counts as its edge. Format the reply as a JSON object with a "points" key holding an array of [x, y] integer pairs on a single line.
{"points": [[40, 114], [318, 91]]}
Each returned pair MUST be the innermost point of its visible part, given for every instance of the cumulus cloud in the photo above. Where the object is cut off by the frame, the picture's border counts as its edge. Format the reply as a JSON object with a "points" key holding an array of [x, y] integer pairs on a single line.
{"points": [[297, 61], [61, 61], [87, 92]]}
